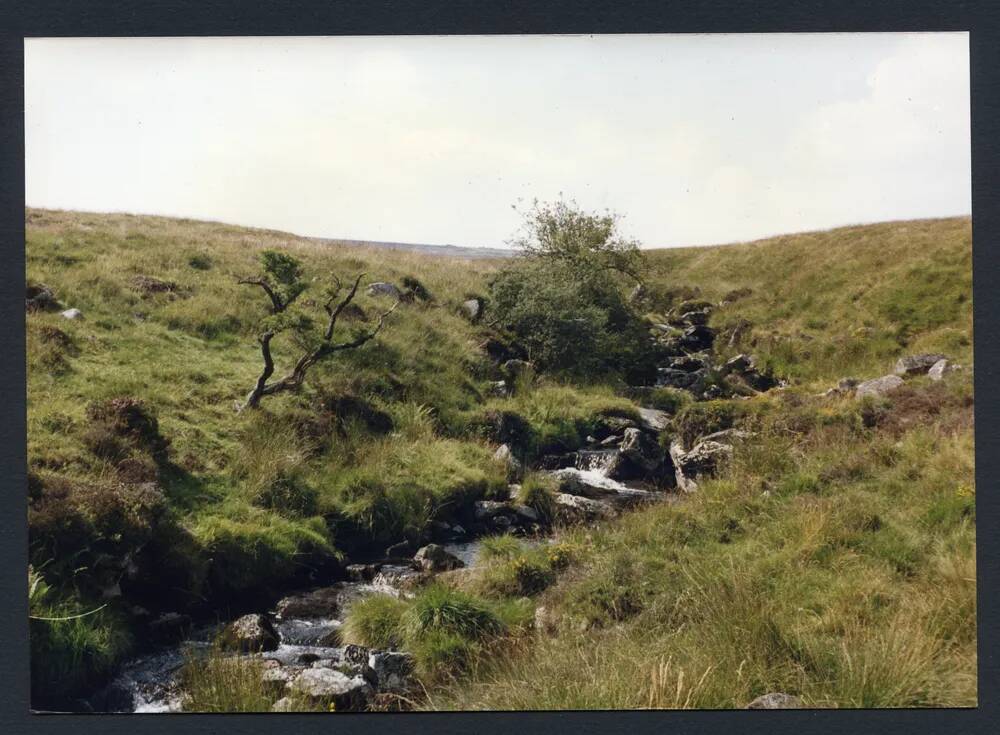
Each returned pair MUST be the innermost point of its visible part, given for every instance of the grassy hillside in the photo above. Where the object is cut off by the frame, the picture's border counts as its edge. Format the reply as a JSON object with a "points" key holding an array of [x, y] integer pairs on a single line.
{"points": [[829, 304], [833, 558]]}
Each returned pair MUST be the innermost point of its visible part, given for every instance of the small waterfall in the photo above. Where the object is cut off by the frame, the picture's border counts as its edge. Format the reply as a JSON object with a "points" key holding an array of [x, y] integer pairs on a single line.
{"points": [[598, 461]]}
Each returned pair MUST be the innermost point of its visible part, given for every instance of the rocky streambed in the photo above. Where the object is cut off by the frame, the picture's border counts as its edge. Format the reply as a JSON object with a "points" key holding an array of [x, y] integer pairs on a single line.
{"points": [[297, 638]]}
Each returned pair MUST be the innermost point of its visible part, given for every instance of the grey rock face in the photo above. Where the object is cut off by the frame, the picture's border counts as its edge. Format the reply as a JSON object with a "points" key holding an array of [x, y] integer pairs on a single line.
{"points": [[916, 364], [641, 451], [322, 603], [878, 386], [653, 419], [940, 369], [571, 509], [434, 558], [776, 700], [381, 288], [346, 693], [472, 309], [249, 634], [506, 457], [392, 669], [586, 483]]}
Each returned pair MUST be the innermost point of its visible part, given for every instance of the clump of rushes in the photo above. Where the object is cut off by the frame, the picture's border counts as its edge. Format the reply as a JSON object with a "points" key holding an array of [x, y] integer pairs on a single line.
{"points": [[439, 609], [217, 682], [538, 493], [375, 621], [501, 547]]}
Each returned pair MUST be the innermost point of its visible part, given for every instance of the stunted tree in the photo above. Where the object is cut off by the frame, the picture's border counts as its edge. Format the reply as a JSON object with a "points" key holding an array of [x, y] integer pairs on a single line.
{"points": [[588, 243], [565, 299], [282, 281]]}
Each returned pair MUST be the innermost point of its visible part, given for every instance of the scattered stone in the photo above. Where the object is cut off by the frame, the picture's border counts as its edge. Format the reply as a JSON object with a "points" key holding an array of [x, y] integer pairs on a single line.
{"points": [[672, 378], [277, 678], [392, 669], [585, 483], [434, 558], [940, 369], [249, 634], [697, 318], [345, 693], [506, 457], [472, 309], [355, 654], [741, 363], [704, 458], [653, 419], [641, 452], [381, 288], [285, 704], [878, 386], [499, 389], [917, 364], [483, 510], [528, 513], [361, 572], [728, 435], [71, 314], [325, 602], [697, 338], [684, 483], [776, 700], [571, 509]]}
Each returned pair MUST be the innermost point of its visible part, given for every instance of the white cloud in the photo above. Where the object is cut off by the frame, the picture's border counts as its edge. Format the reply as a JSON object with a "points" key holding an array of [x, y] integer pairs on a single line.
{"points": [[696, 139]]}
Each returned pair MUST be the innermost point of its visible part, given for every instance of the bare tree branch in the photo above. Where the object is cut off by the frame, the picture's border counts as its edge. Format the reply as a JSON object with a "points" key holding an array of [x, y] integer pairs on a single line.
{"points": [[294, 379], [277, 305]]}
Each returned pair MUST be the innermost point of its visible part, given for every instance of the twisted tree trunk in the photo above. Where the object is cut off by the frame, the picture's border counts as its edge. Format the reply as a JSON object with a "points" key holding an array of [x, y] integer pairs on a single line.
{"points": [[293, 380]]}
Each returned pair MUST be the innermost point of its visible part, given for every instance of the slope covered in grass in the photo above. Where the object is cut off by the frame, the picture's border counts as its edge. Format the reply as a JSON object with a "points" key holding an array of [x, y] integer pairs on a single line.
{"points": [[846, 301], [844, 531]]}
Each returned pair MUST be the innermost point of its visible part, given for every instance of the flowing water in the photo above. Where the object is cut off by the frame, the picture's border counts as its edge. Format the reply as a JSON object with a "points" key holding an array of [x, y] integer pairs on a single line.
{"points": [[149, 683]]}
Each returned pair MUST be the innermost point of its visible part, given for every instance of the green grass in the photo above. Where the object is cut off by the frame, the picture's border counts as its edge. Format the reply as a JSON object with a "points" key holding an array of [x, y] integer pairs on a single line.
{"points": [[832, 558], [835, 562]]}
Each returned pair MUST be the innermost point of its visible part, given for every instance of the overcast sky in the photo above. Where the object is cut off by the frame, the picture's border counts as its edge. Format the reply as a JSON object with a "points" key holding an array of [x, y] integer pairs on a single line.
{"points": [[694, 139]]}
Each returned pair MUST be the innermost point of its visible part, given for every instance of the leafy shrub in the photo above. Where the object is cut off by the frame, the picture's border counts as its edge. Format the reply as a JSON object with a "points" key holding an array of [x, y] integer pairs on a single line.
{"points": [[564, 301]]}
